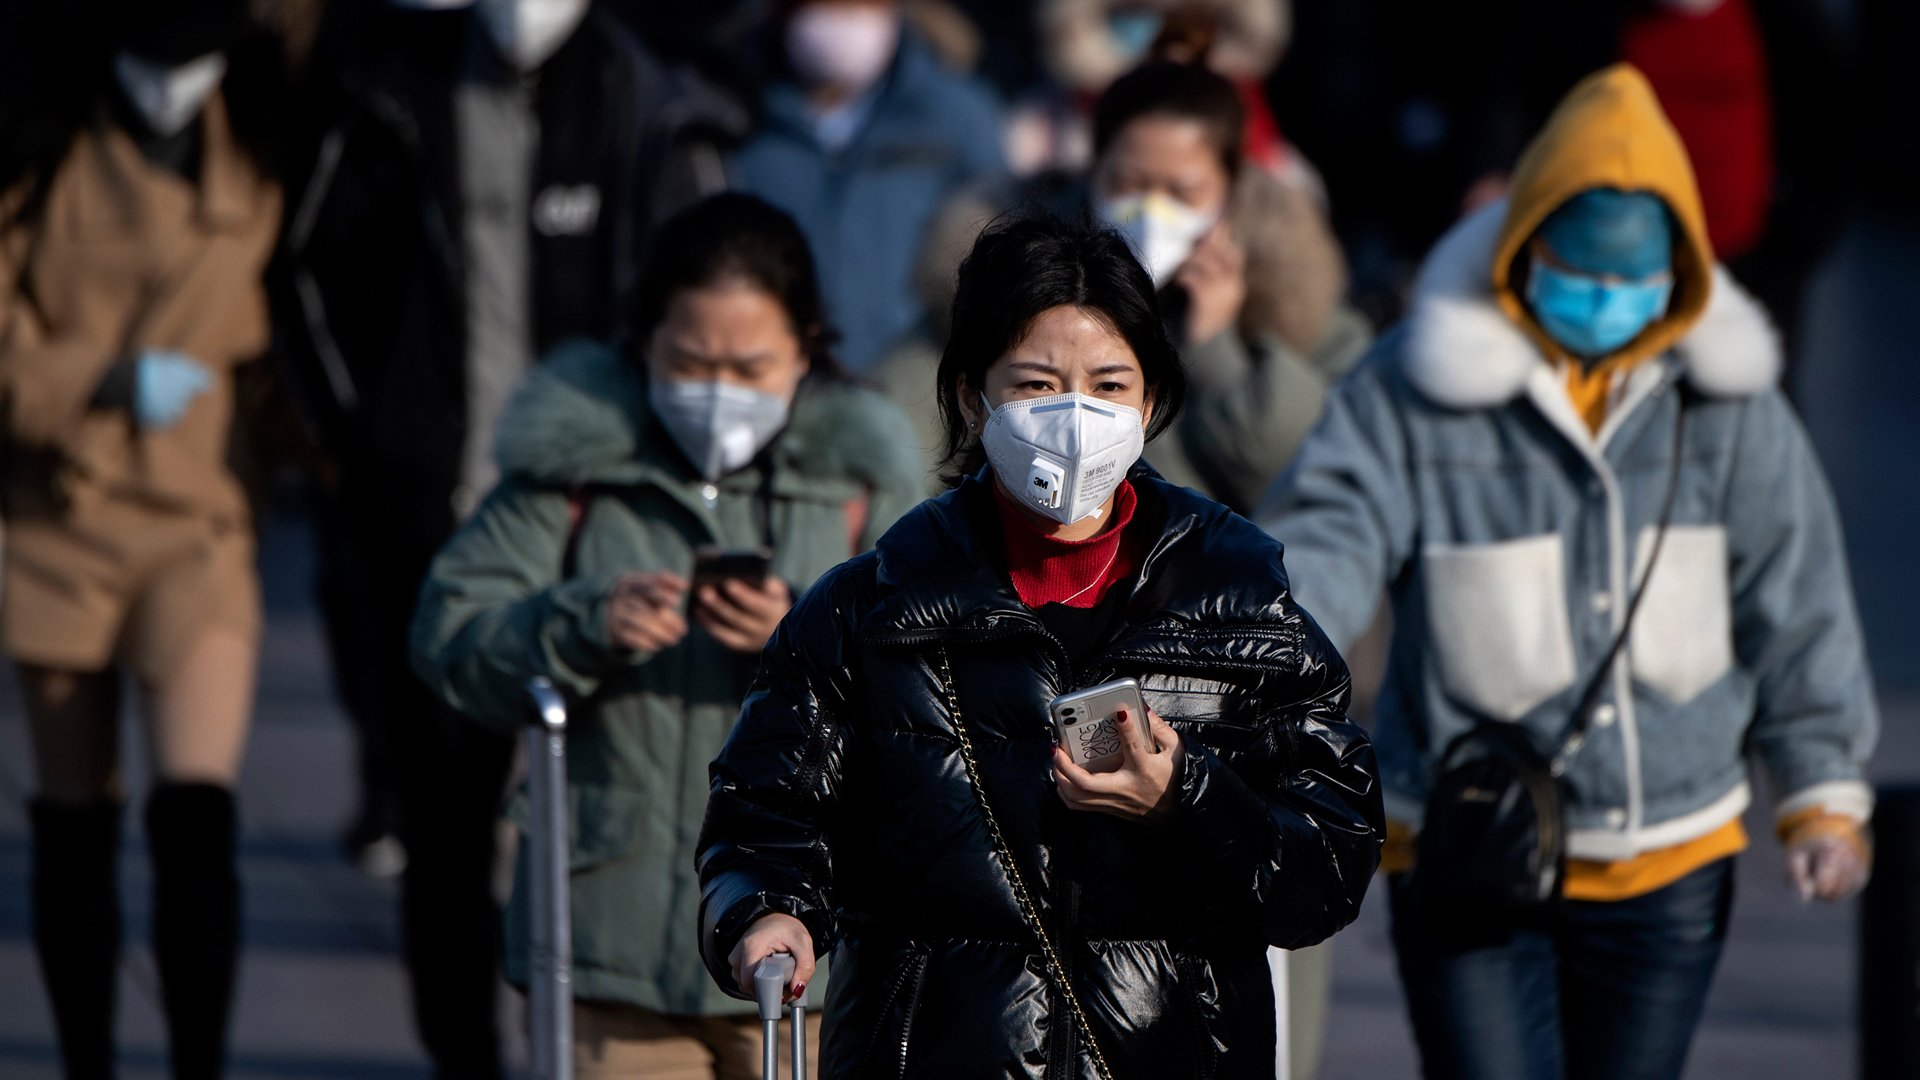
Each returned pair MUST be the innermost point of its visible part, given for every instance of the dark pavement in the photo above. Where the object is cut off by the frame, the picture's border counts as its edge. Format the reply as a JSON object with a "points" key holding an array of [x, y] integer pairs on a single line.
{"points": [[323, 996]]}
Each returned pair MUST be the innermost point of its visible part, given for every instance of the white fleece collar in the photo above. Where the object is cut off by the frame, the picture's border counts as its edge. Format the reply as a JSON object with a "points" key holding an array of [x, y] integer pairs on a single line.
{"points": [[1463, 352]]}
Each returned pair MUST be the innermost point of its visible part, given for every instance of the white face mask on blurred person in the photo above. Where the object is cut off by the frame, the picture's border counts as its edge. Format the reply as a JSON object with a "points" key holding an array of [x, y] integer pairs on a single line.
{"points": [[1161, 230], [168, 97], [529, 32], [719, 426], [847, 46]]}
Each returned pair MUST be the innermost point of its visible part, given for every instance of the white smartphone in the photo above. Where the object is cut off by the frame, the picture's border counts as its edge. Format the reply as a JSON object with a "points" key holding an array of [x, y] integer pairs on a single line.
{"points": [[1083, 722]]}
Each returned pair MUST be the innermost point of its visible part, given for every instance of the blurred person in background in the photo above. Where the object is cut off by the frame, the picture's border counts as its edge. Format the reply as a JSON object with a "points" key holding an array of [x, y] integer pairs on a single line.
{"points": [[893, 793], [482, 190], [1250, 279], [1507, 464], [726, 422], [1091, 43], [140, 207], [863, 135]]}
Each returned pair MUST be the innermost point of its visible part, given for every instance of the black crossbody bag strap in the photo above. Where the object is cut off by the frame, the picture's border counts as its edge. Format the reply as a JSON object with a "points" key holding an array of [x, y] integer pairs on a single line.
{"points": [[1575, 735]]}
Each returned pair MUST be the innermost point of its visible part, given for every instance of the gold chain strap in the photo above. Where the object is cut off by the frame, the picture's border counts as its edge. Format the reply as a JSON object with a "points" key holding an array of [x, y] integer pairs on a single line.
{"points": [[1023, 899]]}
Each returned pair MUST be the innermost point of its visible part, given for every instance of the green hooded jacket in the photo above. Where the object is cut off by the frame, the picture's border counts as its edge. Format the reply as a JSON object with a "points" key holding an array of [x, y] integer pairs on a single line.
{"points": [[579, 443]]}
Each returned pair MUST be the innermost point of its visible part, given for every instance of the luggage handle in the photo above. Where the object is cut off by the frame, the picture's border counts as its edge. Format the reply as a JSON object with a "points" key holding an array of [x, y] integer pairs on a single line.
{"points": [[770, 979], [550, 1012]]}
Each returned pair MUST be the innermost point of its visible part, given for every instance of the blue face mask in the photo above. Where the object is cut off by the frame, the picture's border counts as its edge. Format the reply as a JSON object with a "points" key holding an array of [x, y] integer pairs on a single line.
{"points": [[1134, 31], [1590, 317]]}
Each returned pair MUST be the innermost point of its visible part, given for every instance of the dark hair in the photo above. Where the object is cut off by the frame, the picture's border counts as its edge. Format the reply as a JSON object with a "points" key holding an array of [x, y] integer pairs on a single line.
{"points": [[738, 237], [1023, 266], [1188, 91]]}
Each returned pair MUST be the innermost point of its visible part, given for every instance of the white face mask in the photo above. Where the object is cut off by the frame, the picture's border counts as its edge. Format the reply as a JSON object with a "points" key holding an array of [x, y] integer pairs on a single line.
{"points": [[168, 97], [1062, 455], [842, 45], [1161, 230], [529, 32], [719, 426]]}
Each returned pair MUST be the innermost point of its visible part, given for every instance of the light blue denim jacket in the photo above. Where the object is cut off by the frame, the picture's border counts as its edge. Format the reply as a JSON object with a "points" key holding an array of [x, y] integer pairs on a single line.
{"points": [[1451, 471]]}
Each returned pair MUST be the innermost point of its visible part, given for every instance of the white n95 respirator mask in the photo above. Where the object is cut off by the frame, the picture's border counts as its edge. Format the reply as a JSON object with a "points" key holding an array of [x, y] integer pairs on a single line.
{"points": [[1062, 455], [1161, 230]]}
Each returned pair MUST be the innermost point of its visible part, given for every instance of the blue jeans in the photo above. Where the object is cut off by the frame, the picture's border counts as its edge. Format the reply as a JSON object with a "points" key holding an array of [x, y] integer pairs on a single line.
{"points": [[1605, 991]]}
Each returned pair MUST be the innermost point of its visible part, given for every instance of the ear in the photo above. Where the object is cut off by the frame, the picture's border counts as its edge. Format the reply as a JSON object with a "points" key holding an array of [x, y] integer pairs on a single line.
{"points": [[971, 406]]}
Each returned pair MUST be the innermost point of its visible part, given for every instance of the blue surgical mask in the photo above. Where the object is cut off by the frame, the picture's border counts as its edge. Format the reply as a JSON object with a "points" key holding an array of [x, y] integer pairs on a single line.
{"points": [[1591, 317], [1134, 31]]}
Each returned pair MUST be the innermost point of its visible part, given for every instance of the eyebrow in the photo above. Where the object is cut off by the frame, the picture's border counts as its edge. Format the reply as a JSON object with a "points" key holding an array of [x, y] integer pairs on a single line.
{"points": [[1115, 368], [687, 352]]}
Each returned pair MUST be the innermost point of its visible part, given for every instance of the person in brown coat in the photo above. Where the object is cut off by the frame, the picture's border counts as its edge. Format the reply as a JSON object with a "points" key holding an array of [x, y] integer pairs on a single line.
{"points": [[130, 264]]}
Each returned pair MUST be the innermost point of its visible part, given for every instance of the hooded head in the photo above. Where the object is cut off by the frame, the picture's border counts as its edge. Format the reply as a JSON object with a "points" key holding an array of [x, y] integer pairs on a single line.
{"points": [[1604, 199]]}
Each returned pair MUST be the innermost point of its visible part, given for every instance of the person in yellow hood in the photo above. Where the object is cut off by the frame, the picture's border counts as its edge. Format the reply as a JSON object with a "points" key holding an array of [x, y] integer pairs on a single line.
{"points": [[1574, 475]]}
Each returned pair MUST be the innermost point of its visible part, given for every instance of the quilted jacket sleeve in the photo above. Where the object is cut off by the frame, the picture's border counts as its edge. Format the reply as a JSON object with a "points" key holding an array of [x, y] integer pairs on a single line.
{"points": [[763, 846], [1294, 826]]}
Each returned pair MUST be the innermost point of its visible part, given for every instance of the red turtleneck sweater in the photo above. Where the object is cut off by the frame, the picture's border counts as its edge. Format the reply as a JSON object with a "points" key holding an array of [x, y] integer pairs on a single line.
{"points": [[1073, 573]]}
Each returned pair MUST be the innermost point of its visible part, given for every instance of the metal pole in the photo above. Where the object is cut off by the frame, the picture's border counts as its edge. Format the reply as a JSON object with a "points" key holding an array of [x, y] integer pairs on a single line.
{"points": [[799, 1039], [552, 984], [770, 979]]}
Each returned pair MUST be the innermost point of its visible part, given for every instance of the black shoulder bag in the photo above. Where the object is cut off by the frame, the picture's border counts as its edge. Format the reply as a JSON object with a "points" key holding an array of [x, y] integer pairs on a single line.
{"points": [[1492, 852]]}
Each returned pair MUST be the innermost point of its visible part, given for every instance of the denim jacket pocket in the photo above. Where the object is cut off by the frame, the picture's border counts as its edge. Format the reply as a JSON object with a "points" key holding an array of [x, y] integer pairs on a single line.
{"points": [[1683, 635], [1498, 623]]}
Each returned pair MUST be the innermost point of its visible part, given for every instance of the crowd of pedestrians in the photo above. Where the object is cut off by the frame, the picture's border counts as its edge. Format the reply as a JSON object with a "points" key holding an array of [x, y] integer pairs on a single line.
{"points": [[813, 390]]}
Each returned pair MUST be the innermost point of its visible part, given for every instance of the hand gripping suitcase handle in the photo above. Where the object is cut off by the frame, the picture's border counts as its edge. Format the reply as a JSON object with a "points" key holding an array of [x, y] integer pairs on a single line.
{"points": [[770, 979]]}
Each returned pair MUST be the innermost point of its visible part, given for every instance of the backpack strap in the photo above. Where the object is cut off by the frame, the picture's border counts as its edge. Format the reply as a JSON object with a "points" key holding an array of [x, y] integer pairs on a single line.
{"points": [[577, 499]]}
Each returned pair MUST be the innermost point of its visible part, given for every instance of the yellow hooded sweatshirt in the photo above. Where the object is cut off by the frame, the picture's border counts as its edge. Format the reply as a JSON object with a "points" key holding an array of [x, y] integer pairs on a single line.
{"points": [[1609, 132]]}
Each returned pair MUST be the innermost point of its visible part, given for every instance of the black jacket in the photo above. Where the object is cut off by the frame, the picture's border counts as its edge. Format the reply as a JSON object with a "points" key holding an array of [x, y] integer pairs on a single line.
{"points": [[841, 799], [373, 280]]}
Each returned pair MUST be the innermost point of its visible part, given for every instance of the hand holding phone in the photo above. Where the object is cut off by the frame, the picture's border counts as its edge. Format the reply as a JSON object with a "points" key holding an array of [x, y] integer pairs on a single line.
{"points": [[1083, 722], [1114, 755], [735, 597], [643, 612], [715, 565]]}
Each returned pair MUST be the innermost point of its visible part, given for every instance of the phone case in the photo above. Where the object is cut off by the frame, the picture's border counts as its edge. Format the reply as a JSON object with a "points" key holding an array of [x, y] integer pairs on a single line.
{"points": [[1084, 722]]}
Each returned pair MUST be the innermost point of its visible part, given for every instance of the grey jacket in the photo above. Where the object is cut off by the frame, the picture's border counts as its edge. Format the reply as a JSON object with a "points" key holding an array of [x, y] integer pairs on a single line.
{"points": [[1451, 471]]}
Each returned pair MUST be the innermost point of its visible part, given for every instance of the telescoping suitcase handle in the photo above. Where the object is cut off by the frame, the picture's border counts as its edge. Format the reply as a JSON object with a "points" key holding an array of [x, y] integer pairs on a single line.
{"points": [[551, 1007], [770, 979]]}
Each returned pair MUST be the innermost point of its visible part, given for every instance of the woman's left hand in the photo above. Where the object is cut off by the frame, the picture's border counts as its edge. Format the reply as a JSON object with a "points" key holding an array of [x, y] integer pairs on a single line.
{"points": [[740, 615], [1142, 787]]}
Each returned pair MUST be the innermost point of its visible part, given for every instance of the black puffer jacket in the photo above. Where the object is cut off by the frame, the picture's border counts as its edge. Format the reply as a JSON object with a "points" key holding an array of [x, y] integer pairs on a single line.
{"points": [[841, 798]]}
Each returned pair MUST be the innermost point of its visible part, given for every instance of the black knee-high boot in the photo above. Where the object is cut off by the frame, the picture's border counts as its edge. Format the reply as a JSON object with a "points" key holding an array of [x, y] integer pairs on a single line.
{"points": [[76, 926], [191, 833]]}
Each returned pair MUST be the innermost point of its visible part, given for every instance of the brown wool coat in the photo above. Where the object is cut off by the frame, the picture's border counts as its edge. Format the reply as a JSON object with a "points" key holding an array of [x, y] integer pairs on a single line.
{"points": [[125, 256]]}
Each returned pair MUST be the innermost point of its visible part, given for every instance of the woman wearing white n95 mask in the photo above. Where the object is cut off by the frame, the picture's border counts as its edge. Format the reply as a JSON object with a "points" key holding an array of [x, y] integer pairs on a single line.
{"points": [[893, 794], [1249, 275]]}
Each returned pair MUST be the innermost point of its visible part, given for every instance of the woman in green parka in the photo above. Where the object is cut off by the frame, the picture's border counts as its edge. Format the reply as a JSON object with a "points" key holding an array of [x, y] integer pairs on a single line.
{"points": [[726, 424]]}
